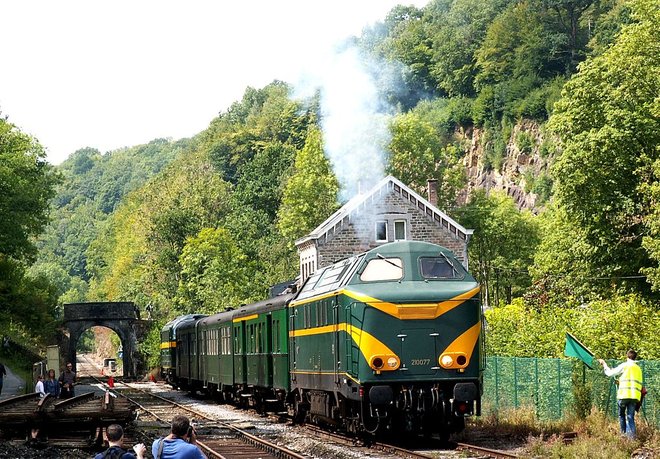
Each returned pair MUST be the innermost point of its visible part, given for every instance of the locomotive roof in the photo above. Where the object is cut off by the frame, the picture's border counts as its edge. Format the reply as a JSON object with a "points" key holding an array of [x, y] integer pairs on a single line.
{"points": [[270, 304], [181, 320], [338, 275]]}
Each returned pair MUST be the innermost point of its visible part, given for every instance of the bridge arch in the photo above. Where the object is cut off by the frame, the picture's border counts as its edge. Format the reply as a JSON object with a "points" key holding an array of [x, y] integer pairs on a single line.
{"points": [[123, 318]]}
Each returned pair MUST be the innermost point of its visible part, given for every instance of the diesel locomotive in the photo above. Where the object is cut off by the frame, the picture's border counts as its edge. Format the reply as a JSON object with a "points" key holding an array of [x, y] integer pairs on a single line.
{"points": [[387, 340]]}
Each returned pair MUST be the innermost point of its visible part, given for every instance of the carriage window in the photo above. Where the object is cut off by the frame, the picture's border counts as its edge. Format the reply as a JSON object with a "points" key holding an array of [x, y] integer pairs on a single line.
{"points": [[276, 336], [383, 269], [440, 268], [381, 231]]}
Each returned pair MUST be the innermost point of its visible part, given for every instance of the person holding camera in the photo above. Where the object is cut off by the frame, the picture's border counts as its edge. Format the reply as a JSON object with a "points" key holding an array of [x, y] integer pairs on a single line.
{"points": [[181, 443]]}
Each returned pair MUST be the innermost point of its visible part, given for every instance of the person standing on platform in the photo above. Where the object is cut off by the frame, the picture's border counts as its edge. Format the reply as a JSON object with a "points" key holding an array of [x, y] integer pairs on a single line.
{"points": [[67, 381], [39, 387], [51, 385]]}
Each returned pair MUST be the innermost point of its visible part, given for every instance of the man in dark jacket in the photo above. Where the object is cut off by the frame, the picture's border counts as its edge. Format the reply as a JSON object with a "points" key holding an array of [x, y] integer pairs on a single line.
{"points": [[67, 381]]}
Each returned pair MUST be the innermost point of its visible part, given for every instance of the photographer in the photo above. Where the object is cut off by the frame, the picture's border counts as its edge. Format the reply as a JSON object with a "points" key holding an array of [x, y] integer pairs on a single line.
{"points": [[181, 443]]}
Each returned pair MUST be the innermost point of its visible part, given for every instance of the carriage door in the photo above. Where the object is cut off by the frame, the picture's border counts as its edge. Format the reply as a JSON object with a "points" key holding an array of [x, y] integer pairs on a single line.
{"points": [[336, 353], [269, 349], [351, 348], [293, 351], [203, 359]]}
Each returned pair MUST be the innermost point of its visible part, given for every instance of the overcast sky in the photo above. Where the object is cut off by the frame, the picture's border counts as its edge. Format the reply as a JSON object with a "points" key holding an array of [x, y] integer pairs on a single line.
{"points": [[111, 74]]}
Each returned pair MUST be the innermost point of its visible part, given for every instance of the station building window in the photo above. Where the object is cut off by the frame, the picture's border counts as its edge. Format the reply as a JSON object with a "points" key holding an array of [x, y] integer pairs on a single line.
{"points": [[381, 231], [399, 230]]}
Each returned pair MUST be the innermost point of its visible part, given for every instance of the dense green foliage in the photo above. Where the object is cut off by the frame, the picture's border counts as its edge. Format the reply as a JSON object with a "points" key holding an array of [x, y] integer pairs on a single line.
{"points": [[607, 327], [26, 185], [503, 245]]}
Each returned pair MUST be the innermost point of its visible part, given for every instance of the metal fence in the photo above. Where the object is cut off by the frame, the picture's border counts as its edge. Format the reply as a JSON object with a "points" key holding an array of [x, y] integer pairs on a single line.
{"points": [[547, 386]]}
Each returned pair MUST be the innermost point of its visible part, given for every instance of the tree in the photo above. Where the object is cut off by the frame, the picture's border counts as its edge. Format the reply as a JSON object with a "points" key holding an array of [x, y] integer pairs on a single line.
{"points": [[310, 195], [215, 273], [417, 154], [502, 247], [26, 186], [609, 125]]}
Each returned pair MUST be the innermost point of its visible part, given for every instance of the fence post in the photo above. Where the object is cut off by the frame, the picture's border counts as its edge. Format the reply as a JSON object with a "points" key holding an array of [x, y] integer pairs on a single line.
{"points": [[536, 387], [497, 387], [515, 382], [561, 399]]}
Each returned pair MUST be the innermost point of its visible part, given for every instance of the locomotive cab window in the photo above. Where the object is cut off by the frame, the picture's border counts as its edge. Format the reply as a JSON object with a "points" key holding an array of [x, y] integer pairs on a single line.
{"points": [[380, 269], [440, 268]]}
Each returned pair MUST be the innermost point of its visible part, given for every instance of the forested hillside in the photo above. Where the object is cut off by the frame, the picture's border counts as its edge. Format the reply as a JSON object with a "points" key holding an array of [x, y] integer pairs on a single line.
{"points": [[204, 224]]}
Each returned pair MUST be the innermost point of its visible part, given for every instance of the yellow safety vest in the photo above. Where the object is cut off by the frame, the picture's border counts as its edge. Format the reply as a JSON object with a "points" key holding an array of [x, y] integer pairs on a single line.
{"points": [[630, 383]]}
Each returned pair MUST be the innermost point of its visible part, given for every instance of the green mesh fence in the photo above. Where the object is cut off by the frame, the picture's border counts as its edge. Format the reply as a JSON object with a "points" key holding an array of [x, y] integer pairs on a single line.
{"points": [[546, 386]]}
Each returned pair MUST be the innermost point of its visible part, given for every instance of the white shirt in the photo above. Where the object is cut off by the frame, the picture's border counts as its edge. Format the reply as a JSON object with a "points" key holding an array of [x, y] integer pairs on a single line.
{"points": [[40, 388]]}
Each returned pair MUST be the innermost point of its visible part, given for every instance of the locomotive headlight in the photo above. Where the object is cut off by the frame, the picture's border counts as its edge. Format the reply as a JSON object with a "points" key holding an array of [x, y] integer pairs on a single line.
{"points": [[453, 360], [386, 362]]}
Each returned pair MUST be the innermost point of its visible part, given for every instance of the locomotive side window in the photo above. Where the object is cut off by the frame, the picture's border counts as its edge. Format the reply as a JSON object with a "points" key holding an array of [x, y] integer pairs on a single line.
{"points": [[439, 268], [380, 269]]}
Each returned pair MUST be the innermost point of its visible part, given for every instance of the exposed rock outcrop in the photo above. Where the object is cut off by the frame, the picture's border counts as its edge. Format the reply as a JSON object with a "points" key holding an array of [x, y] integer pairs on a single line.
{"points": [[520, 164]]}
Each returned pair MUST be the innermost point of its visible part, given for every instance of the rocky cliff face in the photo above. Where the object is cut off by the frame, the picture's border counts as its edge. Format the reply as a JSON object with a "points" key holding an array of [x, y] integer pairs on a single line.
{"points": [[521, 165]]}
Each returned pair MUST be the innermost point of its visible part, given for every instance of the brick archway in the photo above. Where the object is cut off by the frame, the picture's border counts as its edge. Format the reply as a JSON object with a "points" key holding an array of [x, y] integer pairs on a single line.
{"points": [[121, 317]]}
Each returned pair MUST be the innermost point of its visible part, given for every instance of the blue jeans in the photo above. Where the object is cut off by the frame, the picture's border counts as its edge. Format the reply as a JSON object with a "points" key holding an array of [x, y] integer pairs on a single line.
{"points": [[627, 404]]}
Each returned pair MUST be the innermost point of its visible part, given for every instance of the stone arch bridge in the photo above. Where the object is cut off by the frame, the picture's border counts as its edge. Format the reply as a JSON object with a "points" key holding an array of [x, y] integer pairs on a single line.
{"points": [[121, 317]]}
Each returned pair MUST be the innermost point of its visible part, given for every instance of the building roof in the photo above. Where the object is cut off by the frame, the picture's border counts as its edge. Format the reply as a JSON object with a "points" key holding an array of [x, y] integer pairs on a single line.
{"points": [[355, 205]]}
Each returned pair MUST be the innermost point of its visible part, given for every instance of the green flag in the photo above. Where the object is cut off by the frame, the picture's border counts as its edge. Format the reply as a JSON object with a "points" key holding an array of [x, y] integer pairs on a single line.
{"points": [[574, 348]]}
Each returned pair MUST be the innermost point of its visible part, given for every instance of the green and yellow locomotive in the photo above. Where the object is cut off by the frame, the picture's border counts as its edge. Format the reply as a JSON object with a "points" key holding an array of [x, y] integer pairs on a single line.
{"points": [[386, 340]]}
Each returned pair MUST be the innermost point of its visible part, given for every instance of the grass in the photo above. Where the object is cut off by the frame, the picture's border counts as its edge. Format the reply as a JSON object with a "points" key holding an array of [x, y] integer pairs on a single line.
{"points": [[597, 436]]}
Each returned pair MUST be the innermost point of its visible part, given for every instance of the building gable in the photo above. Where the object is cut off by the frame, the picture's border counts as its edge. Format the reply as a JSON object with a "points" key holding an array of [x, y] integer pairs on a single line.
{"points": [[388, 212]]}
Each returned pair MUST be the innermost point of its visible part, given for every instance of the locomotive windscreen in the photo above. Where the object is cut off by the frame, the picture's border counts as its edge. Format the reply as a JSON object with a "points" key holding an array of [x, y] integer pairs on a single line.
{"points": [[439, 268]]}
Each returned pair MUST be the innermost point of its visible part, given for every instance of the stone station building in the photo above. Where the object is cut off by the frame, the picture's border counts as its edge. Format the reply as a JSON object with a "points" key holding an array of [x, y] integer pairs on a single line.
{"points": [[390, 211]]}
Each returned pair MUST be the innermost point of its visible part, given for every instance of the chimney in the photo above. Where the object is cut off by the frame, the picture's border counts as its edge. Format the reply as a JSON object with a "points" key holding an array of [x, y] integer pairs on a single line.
{"points": [[432, 190]]}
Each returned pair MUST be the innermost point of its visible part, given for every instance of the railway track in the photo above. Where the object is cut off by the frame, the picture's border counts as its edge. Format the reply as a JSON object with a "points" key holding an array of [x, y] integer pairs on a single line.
{"points": [[217, 438], [222, 439], [463, 450]]}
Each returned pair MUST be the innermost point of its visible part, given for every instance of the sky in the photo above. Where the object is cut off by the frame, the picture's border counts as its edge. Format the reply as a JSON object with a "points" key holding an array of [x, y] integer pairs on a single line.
{"points": [[107, 75]]}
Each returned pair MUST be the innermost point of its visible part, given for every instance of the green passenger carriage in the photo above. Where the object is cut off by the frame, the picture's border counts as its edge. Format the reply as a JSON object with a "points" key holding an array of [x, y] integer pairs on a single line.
{"points": [[168, 336]]}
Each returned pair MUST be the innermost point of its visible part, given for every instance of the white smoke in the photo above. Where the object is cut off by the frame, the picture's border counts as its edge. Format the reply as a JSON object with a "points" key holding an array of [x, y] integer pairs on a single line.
{"points": [[354, 118]]}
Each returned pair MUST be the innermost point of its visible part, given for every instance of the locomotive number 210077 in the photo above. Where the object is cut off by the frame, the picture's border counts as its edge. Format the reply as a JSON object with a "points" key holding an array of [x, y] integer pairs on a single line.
{"points": [[420, 362]]}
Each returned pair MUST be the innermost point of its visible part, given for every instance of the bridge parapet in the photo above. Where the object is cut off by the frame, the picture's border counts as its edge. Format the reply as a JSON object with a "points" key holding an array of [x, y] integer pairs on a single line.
{"points": [[125, 310]]}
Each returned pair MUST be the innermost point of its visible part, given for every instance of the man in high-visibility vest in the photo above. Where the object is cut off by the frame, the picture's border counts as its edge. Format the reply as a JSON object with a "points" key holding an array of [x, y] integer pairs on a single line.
{"points": [[629, 392]]}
